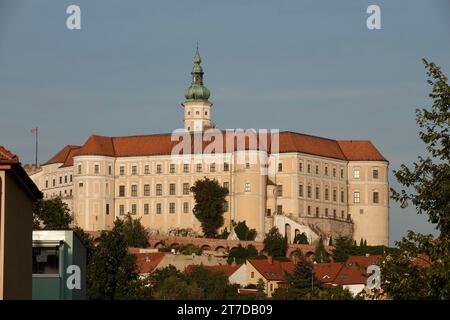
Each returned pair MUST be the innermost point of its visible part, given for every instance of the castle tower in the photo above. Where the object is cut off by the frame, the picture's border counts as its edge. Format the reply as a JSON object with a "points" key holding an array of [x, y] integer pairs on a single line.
{"points": [[197, 108]]}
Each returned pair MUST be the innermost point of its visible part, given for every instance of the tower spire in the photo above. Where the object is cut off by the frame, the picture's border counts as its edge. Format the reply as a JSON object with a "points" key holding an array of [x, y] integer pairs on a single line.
{"points": [[197, 91]]}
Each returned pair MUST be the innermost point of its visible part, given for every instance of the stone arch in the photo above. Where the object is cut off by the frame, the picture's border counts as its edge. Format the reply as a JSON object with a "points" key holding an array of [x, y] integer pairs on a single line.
{"points": [[309, 256], [206, 247], [221, 249], [159, 245], [174, 245]]}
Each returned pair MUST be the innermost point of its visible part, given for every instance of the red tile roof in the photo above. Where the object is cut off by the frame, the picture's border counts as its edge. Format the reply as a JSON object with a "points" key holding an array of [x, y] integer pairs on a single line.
{"points": [[161, 144], [327, 272], [227, 269], [272, 271], [147, 262], [7, 156], [364, 261]]}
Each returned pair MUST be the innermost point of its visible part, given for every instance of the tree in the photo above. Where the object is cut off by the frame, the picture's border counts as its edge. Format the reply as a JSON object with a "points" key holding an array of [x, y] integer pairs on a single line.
{"points": [[302, 282], [260, 289], [343, 248], [214, 285], [243, 232], [51, 214], [87, 241], [301, 238], [241, 254], [112, 272], [133, 231], [175, 288], [321, 255], [209, 206], [427, 187], [275, 244]]}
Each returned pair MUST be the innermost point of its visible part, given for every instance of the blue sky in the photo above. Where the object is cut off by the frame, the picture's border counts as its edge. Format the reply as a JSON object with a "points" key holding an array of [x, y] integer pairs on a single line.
{"points": [[307, 66]]}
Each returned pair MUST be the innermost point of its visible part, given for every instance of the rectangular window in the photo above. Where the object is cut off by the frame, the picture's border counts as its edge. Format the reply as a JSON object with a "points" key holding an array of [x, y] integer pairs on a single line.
{"points": [[342, 214], [356, 173], [279, 209], [96, 168], [122, 170], [376, 197], [172, 189], [133, 208], [146, 190], [225, 206], [327, 196], [134, 170], [279, 190], [121, 191], [199, 167], [159, 189], [80, 185], [107, 208], [317, 212], [121, 209], [300, 190], [226, 185], [46, 183], [186, 188], [334, 213], [342, 196], [326, 171], [60, 180], [171, 207], [334, 172], [46, 260], [65, 179], [247, 187], [110, 170], [186, 168], [309, 168], [356, 197], [158, 168], [212, 167], [375, 173], [300, 166], [309, 210], [79, 169], [146, 208], [317, 193], [185, 207], [134, 190], [326, 212], [158, 208], [247, 165], [172, 168], [308, 191], [146, 169], [317, 169], [335, 195], [226, 166], [342, 173], [280, 167], [54, 182], [70, 178]]}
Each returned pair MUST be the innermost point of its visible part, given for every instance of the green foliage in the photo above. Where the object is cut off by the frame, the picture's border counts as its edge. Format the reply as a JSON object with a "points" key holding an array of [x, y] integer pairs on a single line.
{"points": [[175, 288], [260, 289], [112, 271], [133, 231], [214, 285], [87, 241], [51, 214], [343, 248], [190, 249], [321, 255], [275, 244], [301, 238], [225, 233], [241, 254], [302, 281], [243, 232], [209, 206]]}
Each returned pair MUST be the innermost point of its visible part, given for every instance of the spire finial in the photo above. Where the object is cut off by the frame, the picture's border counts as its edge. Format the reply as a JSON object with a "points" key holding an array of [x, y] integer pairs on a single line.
{"points": [[197, 58]]}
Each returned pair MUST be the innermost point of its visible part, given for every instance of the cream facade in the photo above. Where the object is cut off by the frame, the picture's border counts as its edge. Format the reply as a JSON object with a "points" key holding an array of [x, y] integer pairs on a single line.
{"points": [[312, 184]]}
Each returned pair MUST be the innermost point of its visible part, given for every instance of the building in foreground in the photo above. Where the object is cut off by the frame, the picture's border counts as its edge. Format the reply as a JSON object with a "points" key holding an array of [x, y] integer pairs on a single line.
{"points": [[59, 266], [317, 186], [17, 196]]}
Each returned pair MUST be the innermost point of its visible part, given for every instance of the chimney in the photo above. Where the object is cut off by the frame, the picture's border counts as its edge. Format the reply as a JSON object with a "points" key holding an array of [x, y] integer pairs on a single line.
{"points": [[270, 259]]}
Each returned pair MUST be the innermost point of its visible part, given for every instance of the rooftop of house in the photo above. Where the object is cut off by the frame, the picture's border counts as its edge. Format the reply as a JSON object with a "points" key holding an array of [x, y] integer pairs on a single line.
{"points": [[227, 269]]}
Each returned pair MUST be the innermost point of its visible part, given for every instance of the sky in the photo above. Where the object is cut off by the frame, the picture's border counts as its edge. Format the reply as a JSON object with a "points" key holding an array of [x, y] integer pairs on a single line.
{"points": [[307, 66]]}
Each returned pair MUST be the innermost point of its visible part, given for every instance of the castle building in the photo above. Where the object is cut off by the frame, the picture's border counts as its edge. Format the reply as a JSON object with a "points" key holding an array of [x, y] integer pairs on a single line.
{"points": [[317, 186]]}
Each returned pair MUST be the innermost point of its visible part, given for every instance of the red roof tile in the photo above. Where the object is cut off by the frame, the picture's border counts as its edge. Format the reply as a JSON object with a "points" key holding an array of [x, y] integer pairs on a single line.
{"points": [[147, 262], [327, 272], [360, 150], [364, 261], [227, 269], [7, 156], [272, 271], [64, 156]]}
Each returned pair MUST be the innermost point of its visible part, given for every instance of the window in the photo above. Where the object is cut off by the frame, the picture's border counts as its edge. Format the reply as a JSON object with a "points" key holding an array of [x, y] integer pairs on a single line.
{"points": [[279, 209], [327, 196], [134, 170], [185, 207], [308, 191], [375, 173], [79, 169], [65, 179], [300, 190], [342, 214], [334, 213], [247, 165], [342, 173], [133, 208], [185, 168], [226, 185], [110, 170], [146, 190], [247, 187], [197, 112], [342, 196], [172, 189], [317, 169], [171, 207], [300, 166], [60, 180], [279, 190], [54, 182], [309, 168], [334, 172], [159, 189], [225, 206], [134, 190], [317, 212], [212, 167], [252, 274], [146, 169], [309, 210], [226, 166], [158, 168], [356, 197], [317, 193], [185, 188], [356, 173], [280, 167], [121, 209], [80, 185], [376, 197], [122, 170], [158, 208], [326, 170], [326, 212], [70, 178], [96, 168], [121, 191], [146, 208], [46, 260], [172, 168], [199, 167], [46, 183], [107, 208]]}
